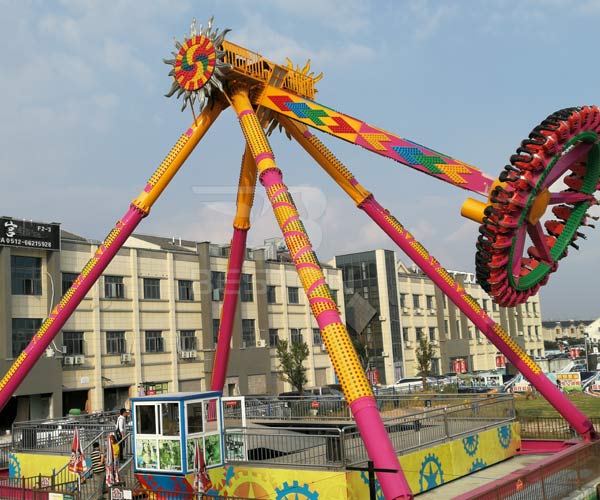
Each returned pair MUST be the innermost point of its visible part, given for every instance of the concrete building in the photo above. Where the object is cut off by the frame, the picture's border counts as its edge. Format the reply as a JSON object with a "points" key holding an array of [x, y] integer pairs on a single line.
{"points": [[574, 328], [150, 323], [420, 309]]}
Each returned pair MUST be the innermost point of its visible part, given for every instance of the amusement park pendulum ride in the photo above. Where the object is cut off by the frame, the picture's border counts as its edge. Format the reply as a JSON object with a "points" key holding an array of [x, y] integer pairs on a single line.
{"points": [[528, 216]]}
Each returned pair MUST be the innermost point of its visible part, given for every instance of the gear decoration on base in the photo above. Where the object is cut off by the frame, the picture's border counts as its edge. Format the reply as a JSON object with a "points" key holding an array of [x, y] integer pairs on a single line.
{"points": [[295, 492], [470, 444], [478, 464], [505, 436], [198, 65], [431, 473], [516, 250]]}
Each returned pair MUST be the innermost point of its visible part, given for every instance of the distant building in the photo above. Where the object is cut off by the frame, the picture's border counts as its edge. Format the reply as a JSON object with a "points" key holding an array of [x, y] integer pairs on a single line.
{"points": [[406, 299], [150, 323], [574, 328]]}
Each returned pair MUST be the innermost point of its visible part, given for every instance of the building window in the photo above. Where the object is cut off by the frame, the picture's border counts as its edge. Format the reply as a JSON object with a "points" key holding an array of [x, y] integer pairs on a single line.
{"points": [[246, 290], [73, 341], [317, 339], [430, 301], [271, 294], [416, 301], [154, 341], [23, 330], [431, 333], [446, 327], [248, 333], [113, 287], [26, 275], [296, 335], [217, 282], [403, 300], [420, 332], [397, 350], [293, 297], [115, 343], [405, 336], [67, 281], [334, 296], [187, 340], [186, 290], [484, 304], [152, 288], [273, 337], [216, 326]]}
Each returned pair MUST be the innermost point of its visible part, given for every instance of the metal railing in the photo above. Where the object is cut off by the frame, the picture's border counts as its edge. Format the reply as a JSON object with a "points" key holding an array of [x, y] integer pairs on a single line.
{"points": [[552, 479], [327, 447], [436, 425], [550, 428], [302, 446], [56, 436], [312, 408]]}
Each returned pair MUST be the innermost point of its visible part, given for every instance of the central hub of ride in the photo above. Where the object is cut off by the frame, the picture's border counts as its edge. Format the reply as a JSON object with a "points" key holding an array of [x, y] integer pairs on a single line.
{"points": [[195, 63], [539, 206]]}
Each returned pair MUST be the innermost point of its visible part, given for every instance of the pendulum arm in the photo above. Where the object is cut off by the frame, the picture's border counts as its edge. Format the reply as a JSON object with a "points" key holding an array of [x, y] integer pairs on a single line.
{"points": [[430, 266], [140, 207], [354, 383], [241, 225], [376, 140]]}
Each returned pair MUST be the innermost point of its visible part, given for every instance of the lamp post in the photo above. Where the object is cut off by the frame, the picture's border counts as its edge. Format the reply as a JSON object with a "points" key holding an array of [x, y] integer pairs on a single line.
{"points": [[587, 352]]}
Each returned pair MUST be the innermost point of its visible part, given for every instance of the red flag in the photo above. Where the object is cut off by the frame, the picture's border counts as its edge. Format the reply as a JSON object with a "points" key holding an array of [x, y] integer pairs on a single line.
{"points": [[77, 463], [112, 466], [202, 482]]}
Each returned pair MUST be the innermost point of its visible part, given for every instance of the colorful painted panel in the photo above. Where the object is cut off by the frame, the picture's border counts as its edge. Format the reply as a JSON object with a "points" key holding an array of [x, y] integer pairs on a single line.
{"points": [[424, 470], [146, 454], [376, 140], [32, 464]]}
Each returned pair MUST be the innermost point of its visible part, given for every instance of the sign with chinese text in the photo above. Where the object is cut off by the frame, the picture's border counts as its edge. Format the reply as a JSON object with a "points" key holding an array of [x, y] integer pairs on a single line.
{"points": [[29, 234]]}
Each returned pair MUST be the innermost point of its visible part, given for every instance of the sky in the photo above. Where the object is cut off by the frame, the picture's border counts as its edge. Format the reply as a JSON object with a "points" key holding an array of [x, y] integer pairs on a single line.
{"points": [[85, 122]]}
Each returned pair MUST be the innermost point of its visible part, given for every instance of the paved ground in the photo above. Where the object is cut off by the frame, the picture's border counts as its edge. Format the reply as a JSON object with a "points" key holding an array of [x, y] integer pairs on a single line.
{"points": [[454, 488]]}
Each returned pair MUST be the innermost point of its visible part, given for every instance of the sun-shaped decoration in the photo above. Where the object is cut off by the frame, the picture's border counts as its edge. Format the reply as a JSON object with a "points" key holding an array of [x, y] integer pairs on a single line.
{"points": [[198, 66]]}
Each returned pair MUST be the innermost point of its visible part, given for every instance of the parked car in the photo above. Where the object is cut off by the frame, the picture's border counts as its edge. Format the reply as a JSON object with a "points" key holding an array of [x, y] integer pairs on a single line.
{"points": [[410, 384]]}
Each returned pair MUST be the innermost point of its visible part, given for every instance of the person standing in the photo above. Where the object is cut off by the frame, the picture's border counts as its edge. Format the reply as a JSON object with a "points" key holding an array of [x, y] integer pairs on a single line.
{"points": [[121, 431], [97, 459]]}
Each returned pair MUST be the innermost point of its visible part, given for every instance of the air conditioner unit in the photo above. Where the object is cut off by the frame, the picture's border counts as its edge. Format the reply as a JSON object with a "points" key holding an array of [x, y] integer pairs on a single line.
{"points": [[435, 342], [68, 360], [323, 348], [261, 343], [78, 360], [125, 357], [192, 354], [49, 352], [382, 318], [385, 354], [405, 310], [431, 311], [419, 311], [243, 345], [407, 343], [480, 341]]}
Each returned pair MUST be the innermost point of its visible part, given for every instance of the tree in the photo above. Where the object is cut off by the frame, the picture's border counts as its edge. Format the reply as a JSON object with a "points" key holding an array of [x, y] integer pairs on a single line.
{"points": [[424, 353], [291, 358]]}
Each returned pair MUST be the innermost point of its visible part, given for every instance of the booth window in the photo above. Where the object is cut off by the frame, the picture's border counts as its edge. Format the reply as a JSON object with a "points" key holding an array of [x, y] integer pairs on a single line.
{"points": [[145, 418], [194, 418], [170, 419]]}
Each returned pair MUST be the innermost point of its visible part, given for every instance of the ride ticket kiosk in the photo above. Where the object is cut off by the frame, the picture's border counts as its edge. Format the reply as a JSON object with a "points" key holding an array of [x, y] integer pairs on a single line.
{"points": [[168, 429]]}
